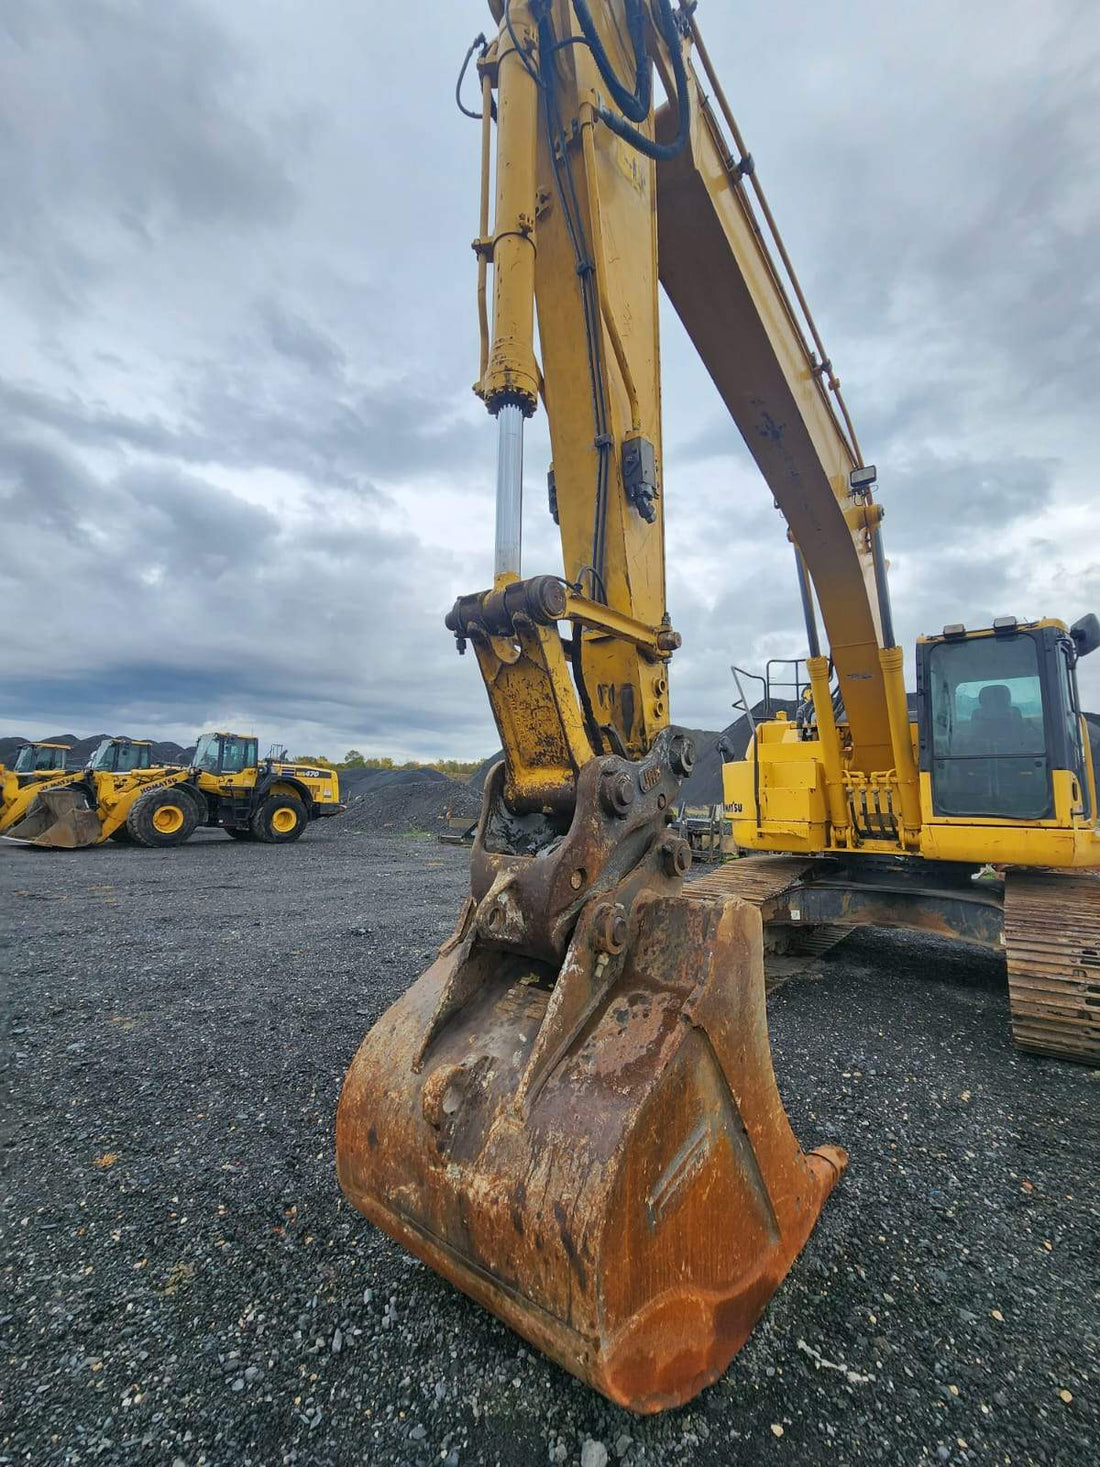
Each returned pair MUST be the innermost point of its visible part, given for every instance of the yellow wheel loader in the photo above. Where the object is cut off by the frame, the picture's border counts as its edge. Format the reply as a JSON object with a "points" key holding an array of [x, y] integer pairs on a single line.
{"points": [[37, 761], [121, 756], [226, 786], [572, 1113], [45, 767]]}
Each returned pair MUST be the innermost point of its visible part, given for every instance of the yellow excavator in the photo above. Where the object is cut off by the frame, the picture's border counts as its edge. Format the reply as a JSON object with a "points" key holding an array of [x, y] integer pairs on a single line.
{"points": [[226, 786], [572, 1114], [995, 771]]}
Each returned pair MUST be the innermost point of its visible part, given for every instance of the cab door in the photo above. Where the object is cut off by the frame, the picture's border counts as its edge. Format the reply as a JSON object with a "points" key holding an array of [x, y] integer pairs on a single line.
{"points": [[1076, 747], [986, 735]]}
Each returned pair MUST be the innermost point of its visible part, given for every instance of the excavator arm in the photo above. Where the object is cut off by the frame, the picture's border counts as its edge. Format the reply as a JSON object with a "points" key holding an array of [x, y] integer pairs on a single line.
{"points": [[727, 287], [572, 1114]]}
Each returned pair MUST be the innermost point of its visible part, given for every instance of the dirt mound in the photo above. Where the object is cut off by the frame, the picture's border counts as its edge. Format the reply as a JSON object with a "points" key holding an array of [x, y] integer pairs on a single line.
{"points": [[406, 799]]}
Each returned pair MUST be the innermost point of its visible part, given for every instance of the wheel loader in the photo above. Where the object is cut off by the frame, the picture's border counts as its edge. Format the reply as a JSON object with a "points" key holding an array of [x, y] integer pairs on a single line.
{"points": [[572, 1114], [226, 786], [37, 760], [45, 766], [121, 755]]}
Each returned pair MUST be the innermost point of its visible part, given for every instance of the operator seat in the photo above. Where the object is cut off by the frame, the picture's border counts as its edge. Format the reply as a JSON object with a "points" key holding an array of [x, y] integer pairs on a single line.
{"points": [[997, 721], [1018, 785]]}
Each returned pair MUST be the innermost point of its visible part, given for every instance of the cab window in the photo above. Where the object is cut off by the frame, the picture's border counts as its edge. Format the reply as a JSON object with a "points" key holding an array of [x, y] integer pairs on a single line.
{"points": [[131, 756], [989, 751], [236, 754], [206, 754]]}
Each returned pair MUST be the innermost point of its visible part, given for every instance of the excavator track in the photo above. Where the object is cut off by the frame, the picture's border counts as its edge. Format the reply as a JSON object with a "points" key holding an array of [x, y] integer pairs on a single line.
{"points": [[1052, 942], [789, 952]]}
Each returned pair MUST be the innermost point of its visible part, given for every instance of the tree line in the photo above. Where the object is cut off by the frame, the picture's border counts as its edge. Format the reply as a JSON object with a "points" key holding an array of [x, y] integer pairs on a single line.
{"points": [[353, 759]]}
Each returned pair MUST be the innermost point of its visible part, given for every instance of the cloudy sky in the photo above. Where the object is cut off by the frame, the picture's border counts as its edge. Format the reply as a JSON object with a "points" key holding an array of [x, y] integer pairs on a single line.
{"points": [[242, 474]]}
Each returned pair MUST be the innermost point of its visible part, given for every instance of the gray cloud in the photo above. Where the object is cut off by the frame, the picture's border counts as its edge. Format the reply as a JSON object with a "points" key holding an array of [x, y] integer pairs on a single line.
{"points": [[121, 129], [294, 337]]}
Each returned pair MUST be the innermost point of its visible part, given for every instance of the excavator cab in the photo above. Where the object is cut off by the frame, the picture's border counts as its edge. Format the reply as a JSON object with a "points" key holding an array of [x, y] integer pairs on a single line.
{"points": [[1000, 720]]}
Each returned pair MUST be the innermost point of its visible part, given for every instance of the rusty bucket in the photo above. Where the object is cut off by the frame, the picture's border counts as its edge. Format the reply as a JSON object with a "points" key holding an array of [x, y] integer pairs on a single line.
{"points": [[63, 819], [593, 1149]]}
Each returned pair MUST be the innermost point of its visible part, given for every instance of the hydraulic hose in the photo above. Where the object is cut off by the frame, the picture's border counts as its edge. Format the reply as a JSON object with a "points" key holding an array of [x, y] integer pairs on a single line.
{"points": [[662, 152], [635, 104], [480, 44]]}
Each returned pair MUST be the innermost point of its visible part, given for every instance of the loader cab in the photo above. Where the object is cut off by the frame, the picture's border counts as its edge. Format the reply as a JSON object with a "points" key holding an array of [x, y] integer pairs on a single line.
{"points": [[225, 753], [999, 713], [121, 756], [41, 758]]}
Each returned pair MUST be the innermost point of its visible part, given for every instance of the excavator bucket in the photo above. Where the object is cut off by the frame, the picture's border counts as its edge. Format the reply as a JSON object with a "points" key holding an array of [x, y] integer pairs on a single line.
{"points": [[62, 819], [572, 1115]]}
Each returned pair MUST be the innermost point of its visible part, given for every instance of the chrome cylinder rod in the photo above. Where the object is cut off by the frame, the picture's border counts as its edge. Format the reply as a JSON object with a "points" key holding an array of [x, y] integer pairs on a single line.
{"points": [[882, 586], [509, 535], [807, 595]]}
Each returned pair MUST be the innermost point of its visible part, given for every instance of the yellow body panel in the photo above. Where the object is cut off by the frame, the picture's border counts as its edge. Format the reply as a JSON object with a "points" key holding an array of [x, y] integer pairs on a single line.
{"points": [[782, 807], [1066, 839]]}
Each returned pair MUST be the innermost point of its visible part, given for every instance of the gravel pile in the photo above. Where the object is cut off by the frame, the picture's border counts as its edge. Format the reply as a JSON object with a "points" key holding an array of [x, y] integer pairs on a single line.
{"points": [[182, 1283], [356, 782], [406, 803]]}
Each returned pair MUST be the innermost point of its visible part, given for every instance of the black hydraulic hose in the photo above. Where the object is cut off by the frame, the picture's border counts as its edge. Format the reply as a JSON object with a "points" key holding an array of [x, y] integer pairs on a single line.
{"points": [[635, 104], [477, 42], [662, 152]]}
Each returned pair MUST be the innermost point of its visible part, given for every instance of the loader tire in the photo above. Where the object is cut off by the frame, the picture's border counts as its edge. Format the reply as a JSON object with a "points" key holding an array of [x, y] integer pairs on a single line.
{"points": [[123, 836], [239, 832], [162, 818], [279, 820], [198, 799]]}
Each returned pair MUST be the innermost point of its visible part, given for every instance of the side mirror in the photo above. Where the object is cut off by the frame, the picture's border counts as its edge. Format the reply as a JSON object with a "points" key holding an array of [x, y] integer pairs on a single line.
{"points": [[1086, 634]]}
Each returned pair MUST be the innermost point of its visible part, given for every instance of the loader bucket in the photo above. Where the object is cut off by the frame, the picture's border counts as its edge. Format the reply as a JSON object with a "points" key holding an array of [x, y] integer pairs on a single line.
{"points": [[62, 819], [593, 1149]]}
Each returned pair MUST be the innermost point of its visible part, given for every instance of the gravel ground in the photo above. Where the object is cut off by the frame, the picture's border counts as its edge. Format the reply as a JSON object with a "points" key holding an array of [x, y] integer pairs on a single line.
{"points": [[182, 1283]]}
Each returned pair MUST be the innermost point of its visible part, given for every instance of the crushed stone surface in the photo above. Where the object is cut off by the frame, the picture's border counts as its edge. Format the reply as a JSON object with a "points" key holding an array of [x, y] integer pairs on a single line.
{"points": [[182, 1283]]}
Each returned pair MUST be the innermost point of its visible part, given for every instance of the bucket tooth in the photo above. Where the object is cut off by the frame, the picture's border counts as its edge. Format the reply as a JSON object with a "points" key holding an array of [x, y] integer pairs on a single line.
{"points": [[592, 1147]]}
